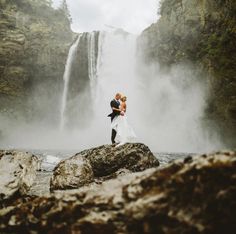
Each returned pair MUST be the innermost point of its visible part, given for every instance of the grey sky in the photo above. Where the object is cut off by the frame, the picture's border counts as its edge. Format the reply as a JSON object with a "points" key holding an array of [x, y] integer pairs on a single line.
{"points": [[131, 15]]}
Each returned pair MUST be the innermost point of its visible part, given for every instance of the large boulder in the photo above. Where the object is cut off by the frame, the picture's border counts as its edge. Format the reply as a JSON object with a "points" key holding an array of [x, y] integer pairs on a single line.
{"points": [[72, 173], [193, 195], [104, 161], [17, 172], [108, 159]]}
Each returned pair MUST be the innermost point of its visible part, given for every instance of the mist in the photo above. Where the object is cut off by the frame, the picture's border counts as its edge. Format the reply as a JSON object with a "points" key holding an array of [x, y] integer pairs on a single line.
{"points": [[164, 107]]}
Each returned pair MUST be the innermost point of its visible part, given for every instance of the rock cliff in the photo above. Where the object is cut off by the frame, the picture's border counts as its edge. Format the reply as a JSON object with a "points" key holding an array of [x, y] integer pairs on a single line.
{"points": [[202, 32], [34, 42]]}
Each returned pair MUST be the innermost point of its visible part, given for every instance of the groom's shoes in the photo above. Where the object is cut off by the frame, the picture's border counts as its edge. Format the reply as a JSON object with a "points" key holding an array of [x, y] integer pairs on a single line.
{"points": [[114, 144]]}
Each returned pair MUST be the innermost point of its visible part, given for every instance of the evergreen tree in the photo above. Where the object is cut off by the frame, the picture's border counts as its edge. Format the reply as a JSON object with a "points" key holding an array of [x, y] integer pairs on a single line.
{"points": [[65, 9], [49, 2]]}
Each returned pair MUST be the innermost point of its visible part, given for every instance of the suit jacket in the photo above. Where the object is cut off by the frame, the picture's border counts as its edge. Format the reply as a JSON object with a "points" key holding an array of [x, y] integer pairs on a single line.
{"points": [[114, 104]]}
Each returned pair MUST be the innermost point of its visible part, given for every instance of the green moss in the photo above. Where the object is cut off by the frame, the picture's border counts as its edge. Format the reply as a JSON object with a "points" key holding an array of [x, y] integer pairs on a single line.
{"points": [[207, 39]]}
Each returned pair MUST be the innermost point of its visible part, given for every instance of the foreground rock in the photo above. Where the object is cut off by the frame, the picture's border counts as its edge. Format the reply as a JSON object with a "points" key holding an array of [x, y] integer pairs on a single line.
{"points": [[17, 172], [194, 195], [104, 161], [72, 173]]}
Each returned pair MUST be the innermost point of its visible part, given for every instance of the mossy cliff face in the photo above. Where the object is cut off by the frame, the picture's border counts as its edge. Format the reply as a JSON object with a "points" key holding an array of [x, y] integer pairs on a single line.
{"points": [[34, 42], [203, 32]]}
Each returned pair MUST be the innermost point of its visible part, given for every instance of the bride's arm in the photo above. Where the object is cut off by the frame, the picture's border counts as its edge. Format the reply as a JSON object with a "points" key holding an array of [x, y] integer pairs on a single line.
{"points": [[123, 107]]}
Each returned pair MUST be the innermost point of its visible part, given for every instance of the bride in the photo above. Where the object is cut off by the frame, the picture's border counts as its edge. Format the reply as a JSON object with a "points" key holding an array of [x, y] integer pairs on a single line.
{"points": [[120, 124]]}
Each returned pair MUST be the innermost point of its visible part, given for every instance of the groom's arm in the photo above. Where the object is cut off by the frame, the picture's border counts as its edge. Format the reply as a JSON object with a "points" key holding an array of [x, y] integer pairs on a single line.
{"points": [[114, 106]]}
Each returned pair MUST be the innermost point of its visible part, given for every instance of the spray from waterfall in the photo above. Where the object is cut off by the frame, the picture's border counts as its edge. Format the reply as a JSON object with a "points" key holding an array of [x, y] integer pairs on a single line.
{"points": [[66, 78], [165, 108]]}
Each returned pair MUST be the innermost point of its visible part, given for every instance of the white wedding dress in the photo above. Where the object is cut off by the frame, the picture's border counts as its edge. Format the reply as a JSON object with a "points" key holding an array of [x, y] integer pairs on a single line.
{"points": [[125, 133]]}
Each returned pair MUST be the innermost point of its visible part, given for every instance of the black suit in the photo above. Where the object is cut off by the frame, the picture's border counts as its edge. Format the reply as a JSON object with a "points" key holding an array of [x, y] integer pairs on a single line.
{"points": [[114, 104]]}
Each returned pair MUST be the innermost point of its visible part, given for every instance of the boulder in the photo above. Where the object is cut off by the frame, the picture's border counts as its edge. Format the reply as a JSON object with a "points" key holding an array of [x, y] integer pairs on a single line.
{"points": [[72, 173], [17, 172], [108, 159], [192, 195], [105, 162]]}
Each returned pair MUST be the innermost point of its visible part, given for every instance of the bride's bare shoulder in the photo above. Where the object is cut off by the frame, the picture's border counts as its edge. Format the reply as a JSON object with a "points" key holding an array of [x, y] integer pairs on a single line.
{"points": [[123, 106]]}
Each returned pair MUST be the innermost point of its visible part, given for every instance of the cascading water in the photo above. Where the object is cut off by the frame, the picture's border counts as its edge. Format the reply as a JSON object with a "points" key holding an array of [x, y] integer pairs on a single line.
{"points": [[92, 60], [66, 78], [164, 108]]}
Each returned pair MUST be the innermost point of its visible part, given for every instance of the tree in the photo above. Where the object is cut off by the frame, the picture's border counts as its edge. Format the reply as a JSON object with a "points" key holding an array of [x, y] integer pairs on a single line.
{"points": [[64, 8]]}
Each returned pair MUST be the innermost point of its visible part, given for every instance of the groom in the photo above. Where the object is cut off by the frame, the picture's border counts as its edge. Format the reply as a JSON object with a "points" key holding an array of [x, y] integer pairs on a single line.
{"points": [[115, 104]]}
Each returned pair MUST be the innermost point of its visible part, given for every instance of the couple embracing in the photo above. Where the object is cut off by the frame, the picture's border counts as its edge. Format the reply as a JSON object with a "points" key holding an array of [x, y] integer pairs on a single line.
{"points": [[121, 130]]}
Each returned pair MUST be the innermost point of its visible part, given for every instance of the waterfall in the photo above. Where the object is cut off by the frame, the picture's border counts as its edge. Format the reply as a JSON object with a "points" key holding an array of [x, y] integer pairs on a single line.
{"points": [[66, 78], [92, 56], [165, 107], [92, 61], [99, 52], [79, 82], [116, 70]]}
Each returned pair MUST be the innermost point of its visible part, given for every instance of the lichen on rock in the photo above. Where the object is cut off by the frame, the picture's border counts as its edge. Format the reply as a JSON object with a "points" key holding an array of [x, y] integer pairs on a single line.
{"points": [[102, 163], [191, 195], [17, 172]]}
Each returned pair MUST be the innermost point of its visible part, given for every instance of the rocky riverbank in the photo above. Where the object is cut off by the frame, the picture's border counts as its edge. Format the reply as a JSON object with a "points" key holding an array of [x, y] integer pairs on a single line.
{"points": [[122, 190]]}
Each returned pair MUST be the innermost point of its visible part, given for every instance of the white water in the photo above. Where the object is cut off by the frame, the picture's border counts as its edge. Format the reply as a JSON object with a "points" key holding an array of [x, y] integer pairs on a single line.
{"points": [[66, 78], [165, 109], [92, 70]]}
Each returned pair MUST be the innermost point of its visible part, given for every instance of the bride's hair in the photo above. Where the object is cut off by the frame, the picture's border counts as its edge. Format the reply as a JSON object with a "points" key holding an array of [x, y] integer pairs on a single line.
{"points": [[122, 97]]}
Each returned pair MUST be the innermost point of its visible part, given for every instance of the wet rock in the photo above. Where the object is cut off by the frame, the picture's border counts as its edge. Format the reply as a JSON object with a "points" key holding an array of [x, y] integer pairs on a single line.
{"points": [[108, 159], [104, 162], [17, 172], [72, 173], [188, 196]]}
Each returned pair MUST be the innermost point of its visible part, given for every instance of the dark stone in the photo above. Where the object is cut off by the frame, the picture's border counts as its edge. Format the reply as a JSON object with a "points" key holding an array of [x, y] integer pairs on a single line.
{"points": [[104, 162], [196, 197], [107, 159], [72, 173]]}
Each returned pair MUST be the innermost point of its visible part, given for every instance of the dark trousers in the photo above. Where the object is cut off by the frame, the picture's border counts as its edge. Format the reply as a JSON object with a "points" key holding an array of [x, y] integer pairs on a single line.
{"points": [[113, 136]]}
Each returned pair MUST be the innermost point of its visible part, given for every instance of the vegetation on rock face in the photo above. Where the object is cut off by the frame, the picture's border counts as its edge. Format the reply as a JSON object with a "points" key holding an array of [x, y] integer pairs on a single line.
{"points": [[34, 41], [203, 32], [217, 51]]}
